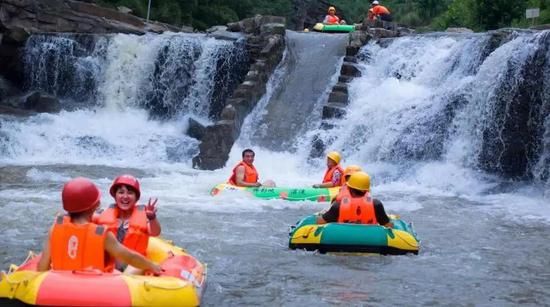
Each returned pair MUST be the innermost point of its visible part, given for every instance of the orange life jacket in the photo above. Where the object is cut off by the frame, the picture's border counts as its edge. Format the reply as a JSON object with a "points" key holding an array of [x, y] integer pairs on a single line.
{"points": [[332, 19], [78, 247], [330, 173], [357, 210], [137, 237], [344, 191], [250, 174], [380, 10]]}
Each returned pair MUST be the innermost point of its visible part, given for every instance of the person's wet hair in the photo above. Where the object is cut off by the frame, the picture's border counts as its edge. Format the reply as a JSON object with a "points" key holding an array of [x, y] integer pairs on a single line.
{"points": [[248, 150], [130, 188]]}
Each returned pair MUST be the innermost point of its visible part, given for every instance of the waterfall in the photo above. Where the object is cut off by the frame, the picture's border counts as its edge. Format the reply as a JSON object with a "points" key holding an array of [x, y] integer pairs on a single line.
{"points": [[454, 99], [114, 89], [296, 92], [169, 75]]}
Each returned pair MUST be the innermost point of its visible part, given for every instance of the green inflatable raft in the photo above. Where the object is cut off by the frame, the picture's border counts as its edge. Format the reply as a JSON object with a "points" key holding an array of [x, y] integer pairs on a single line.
{"points": [[354, 238], [291, 194], [333, 28]]}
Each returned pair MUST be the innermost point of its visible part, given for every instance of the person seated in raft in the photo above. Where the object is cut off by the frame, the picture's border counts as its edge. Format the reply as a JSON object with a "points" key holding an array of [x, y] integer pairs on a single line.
{"points": [[75, 243], [358, 207], [332, 19], [244, 173], [344, 191], [371, 17], [132, 224], [380, 11], [334, 176]]}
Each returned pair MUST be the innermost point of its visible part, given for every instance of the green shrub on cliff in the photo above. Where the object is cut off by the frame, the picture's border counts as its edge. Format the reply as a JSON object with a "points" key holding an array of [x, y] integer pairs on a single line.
{"points": [[437, 14]]}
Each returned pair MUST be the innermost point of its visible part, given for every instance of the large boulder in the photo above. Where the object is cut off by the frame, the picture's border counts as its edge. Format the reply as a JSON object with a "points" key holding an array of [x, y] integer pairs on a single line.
{"points": [[21, 17], [195, 129], [265, 44], [7, 89], [42, 103]]}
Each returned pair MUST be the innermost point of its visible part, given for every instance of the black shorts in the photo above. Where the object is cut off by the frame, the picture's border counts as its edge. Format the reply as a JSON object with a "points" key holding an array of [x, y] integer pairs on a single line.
{"points": [[386, 17]]}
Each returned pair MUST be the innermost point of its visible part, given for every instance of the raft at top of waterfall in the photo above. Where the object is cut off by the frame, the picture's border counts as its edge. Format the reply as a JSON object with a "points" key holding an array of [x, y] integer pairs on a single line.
{"points": [[319, 27]]}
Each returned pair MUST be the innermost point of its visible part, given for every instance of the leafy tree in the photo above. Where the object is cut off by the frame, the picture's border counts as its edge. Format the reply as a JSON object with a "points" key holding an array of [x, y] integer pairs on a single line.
{"points": [[478, 15]]}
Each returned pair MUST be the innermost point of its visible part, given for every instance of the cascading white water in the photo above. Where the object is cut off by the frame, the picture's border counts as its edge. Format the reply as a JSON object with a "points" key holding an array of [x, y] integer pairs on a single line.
{"points": [[169, 73], [425, 99], [66, 65], [407, 124], [116, 83], [300, 86]]}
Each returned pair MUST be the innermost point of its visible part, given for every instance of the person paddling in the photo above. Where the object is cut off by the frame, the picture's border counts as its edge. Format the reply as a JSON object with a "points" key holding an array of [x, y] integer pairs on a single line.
{"points": [[358, 207], [132, 224], [244, 174], [332, 19], [334, 176], [382, 12], [344, 190], [74, 243]]}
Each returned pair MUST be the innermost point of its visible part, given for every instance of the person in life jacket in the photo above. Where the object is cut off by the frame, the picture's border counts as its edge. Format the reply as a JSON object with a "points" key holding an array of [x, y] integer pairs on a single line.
{"points": [[380, 11], [358, 207], [131, 223], [244, 174], [74, 243], [371, 16], [344, 190], [332, 19], [334, 176]]}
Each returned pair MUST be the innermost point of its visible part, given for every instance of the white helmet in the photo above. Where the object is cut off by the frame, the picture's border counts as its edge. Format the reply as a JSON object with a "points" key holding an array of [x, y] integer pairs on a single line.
{"points": [[375, 2]]}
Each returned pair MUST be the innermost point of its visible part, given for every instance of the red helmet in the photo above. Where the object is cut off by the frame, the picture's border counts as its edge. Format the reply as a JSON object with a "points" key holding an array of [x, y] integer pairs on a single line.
{"points": [[128, 180], [79, 195]]}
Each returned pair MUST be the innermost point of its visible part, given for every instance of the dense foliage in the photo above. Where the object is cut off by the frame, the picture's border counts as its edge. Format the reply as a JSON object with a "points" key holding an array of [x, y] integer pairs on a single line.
{"points": [[432, 14]]}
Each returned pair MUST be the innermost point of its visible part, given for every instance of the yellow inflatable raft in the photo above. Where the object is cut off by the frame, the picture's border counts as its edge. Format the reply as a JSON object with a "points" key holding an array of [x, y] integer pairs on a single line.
{"points": [[181, 284]]}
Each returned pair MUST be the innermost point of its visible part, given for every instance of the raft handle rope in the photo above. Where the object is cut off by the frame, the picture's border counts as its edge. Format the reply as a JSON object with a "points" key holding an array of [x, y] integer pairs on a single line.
{"points": [[12, 269], [193, 282]]}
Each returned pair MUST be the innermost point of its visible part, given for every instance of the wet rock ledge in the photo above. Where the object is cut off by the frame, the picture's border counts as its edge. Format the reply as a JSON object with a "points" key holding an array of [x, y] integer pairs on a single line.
{"points": [[265, 41]]}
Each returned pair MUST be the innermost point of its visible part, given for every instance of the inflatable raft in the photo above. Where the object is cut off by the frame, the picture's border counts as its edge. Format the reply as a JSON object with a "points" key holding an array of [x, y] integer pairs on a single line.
{"points": [[354, 238], [292, 194], [181, 283], [320, 27]]}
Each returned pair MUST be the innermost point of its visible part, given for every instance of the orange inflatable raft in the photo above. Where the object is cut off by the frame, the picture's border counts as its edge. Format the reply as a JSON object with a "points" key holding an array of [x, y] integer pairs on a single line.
{"points": [[181, 284]]}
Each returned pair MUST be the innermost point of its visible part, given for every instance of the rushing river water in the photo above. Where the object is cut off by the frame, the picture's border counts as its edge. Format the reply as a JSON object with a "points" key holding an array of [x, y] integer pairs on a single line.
{"points": [[474, 252], [484, 239]]}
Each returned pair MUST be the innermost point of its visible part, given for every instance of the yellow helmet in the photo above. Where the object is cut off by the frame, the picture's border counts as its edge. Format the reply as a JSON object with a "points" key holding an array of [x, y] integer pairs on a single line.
{"points": [[359, 181], [306, 30], [331, 8], [352, 169], [334, 156]]}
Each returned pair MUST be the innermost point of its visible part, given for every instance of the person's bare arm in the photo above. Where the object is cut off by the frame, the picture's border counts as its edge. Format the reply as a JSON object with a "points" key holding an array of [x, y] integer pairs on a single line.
{"points": [[240, 178], [321, 220], [151, 211], [44, 263], [324, 185], [154, 227], [128, 256]]}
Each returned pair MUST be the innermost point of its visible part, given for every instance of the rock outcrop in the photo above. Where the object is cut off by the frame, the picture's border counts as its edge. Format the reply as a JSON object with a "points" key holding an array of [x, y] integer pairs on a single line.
{"points": [[21, 18], [265, 43], [336, 105]]}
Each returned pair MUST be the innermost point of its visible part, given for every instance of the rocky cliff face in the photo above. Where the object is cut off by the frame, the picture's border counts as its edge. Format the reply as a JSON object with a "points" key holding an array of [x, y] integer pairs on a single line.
{"points": [[265, 42], [18, 18]]}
